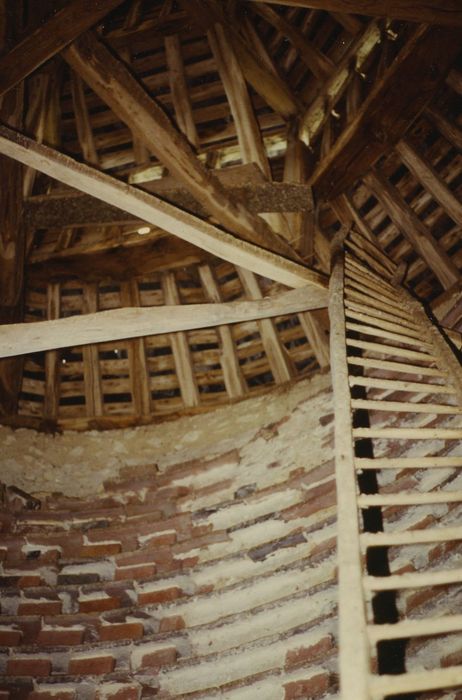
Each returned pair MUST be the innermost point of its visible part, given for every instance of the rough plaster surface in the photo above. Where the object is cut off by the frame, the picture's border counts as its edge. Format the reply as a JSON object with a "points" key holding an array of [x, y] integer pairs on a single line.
{"points": [[77, 464]]}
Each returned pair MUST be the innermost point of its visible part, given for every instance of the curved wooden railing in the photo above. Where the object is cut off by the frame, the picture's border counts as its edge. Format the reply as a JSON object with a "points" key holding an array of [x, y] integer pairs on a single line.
{"points": [[398, 413]]}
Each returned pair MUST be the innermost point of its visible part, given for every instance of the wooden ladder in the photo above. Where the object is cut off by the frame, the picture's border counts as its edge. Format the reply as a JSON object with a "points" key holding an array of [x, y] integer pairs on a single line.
{"points": [[397, 385]]}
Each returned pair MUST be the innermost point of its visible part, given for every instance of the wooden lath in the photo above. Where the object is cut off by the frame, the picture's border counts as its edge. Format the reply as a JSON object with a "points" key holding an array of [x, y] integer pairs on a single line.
{"points": [[384, 344]]}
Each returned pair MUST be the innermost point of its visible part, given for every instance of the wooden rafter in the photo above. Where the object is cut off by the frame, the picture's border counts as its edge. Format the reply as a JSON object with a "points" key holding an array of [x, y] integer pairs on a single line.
{"points": [[23, 338], [156, 212], [397, 98], [116, 86], [447, 13], [50, 38]]}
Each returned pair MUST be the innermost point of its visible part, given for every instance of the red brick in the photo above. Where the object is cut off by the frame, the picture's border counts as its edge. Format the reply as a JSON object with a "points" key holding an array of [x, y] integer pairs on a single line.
{"points": [[30, 666], [305, 655], [162, 657], [135, 573], [162, 539], [29, 580], [124, 630], [172, 624], [100, 549], [91, 666], [10, 638], [160, 596], [48, 607], [48, 695], [98, 604], [67, 637], [118, 692], [310, 688]]}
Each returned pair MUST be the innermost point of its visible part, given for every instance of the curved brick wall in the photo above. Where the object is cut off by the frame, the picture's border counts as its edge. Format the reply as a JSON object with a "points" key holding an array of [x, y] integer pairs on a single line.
{"points": [[206, 578]]}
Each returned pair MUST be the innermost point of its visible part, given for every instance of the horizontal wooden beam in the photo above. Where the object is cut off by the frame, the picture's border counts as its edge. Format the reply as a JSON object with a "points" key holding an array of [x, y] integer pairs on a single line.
{"points": [[66, 209], [157, 212], [395, 101], [120, 324], [445, 12], [50, 38]]}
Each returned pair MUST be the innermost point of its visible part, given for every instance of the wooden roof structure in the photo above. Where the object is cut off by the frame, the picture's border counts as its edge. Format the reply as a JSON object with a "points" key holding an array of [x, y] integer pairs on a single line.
{"points": [[173, 174]]}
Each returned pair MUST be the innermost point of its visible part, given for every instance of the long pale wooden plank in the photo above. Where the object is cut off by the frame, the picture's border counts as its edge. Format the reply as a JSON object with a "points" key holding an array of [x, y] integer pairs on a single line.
{"points": [[394, 385], [391, 350], [388, 365], [417, 681], [117, 324], [156, 212], [409, 462], [50, 38], [129, 100], [412, 498], [410, 537], [416, 628], [448, 13], [405, 407], [422, 579]]}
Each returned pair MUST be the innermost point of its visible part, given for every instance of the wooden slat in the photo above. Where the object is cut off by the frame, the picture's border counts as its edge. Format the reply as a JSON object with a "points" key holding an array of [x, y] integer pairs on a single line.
{"points": [[383, 333], [396, 99], [120, 324], [388, 366], [138, 368], [410, 537], [395, 385], [416, 232], [448, 13], [180, 348], [52, 388], [234, 380], [381, 323], [317, 338], [418, 580], [278, 358], [82, 120], [405, 407], [409, 463], [91, 372], [128, 99], [417, 681], [415, 628], [50, 38], [154, 211], [179, 89], [450, 131], [412, 498], [391, 350]]}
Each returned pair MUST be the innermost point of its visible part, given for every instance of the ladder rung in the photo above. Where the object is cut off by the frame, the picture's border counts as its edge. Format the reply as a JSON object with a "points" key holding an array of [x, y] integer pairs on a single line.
{"points": [[410, 537], [397, 385], [421, 579], [419, 681], [409, 433], [411, 498], [389, 335], [361, 269], [405, 406], [408, 462], [375, 303], [392, 350], [352, 285], [396, 366], [415, 628], [381, 315], [382, 323]]}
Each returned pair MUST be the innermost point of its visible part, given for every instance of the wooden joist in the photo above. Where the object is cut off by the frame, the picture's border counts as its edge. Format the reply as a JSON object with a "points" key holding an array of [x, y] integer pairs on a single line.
{"points": [[156, 212], [65, 209], [50, 38], [447, 13], [396, 99], [118, 324], [120, 90]]}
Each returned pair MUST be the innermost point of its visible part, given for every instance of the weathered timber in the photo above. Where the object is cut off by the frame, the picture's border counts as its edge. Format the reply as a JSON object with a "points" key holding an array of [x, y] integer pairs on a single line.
{"points": [[118, 324], [447, 13], [51, 395], [118, 88], [65, 209], [156, 212], [50, 38], [416, 232], [397, 98], [179, 89]]}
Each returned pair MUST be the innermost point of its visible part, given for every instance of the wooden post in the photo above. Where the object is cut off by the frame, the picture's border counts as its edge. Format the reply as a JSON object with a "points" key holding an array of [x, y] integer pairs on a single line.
{"points": [[139, 373], [92, 378], [51, 398]]}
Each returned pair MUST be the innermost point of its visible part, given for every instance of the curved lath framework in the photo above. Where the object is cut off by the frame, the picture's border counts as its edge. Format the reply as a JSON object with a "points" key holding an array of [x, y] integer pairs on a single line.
{"points": [[398, 421]]}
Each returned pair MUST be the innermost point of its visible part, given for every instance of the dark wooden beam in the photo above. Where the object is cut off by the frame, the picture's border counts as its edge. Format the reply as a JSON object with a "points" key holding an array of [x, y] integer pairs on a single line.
{"points": [[117, 87], [68, 209], [397, 98], [445, 12], [50, 38]]}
